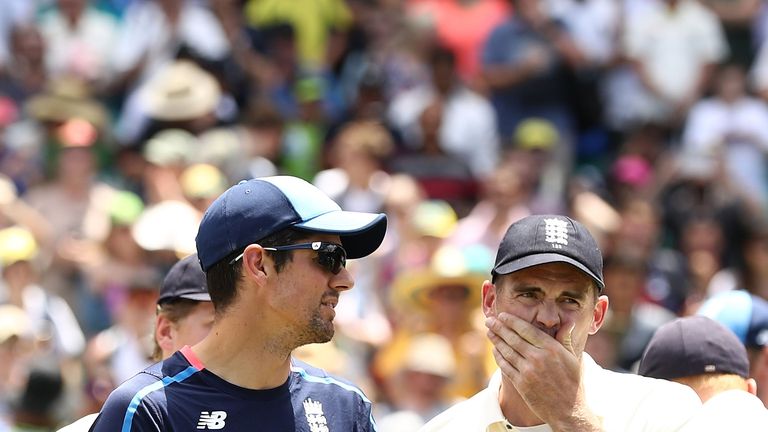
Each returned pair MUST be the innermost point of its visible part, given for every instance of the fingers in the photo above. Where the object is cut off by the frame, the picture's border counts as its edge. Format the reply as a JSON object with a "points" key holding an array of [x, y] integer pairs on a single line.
{"points": [[524, 329], [501, 334], [565, 337], [506, 367], [509, 352]]}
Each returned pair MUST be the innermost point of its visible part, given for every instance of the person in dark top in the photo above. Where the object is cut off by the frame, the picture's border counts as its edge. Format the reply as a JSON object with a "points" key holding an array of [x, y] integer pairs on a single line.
{"points": [[274, 251]]}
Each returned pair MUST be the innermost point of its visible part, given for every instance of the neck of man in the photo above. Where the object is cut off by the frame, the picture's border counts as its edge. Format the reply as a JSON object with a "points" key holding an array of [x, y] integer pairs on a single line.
{"points": [[514, 407], [243, 355]]}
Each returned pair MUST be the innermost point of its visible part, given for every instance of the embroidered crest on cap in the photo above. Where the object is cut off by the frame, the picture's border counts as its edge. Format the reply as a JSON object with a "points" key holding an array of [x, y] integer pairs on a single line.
{"points": [[556, 232]]}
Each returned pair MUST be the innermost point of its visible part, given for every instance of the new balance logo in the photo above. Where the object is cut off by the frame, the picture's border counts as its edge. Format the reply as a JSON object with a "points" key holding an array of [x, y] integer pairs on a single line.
{"points": [[211, 420]]}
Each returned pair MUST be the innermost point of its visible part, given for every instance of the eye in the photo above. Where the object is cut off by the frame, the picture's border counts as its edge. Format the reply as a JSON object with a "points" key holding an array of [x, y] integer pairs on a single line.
{"points": [[527, 295], [571, 301]]}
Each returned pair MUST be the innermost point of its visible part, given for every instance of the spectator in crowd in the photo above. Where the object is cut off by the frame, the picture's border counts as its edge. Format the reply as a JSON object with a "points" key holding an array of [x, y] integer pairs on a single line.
{"points": [[125, 348], [78, 39], [357, 180], [180, 95], [504, 201], [73, 191], [538, 151], [731, 126], [747, 271], [704, 355], [419, 384], [24, 73], [438, 298], [51, 319], [633, 319], [462, 26], [674, 35], [524, 64], [312, 21], [468, 125], [442, 175]]}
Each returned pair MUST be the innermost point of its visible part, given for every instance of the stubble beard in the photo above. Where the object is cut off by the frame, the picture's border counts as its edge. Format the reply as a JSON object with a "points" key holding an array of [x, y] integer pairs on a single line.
{"points": [[317, 330]]}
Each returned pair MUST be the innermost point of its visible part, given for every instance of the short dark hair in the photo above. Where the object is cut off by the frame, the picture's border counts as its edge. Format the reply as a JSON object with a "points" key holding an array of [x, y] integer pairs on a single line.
{"points": [[222, 277]]}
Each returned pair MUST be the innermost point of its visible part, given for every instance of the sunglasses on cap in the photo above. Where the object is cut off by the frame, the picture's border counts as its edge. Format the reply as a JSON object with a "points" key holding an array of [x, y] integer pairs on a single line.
{"points": [[330, 256]]}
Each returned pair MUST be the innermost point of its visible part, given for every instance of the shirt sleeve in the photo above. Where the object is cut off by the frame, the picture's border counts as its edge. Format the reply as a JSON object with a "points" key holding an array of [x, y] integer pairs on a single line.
{"points": [[125, 410], [714, 46], [365, 420]]}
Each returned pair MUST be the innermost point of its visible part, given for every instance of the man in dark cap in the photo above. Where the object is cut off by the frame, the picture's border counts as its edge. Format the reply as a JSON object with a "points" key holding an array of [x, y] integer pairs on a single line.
{"points": [[274, 251], [184, 317], [184, 308], [542, 302], [706, 356]]}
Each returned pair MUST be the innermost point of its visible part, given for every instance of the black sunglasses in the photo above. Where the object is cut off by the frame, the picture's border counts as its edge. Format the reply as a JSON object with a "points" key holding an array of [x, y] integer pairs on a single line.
{"points": [[330, 256]]}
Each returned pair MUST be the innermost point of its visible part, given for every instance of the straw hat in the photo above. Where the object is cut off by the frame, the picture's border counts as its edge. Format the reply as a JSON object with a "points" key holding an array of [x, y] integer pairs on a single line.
{"points": [[170, 147], [180, 91], [432, 354], [450, 266], [65, 99]]}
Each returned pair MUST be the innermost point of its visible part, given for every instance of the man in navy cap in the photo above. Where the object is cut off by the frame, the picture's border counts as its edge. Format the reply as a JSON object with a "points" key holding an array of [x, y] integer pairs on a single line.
{"points": [[706, 356], [184, 317], [184, 308], [274, 251], [541, 304]]}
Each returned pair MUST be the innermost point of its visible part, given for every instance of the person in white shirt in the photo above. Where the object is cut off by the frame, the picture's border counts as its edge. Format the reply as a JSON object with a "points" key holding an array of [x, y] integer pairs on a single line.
{"points": [[708, 357], [541, 305], [673, 47], [468, 127]]}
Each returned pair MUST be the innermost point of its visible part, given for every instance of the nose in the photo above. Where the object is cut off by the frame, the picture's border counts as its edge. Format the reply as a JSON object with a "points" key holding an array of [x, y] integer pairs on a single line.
{"points": [[342, 281], [547, 314]]}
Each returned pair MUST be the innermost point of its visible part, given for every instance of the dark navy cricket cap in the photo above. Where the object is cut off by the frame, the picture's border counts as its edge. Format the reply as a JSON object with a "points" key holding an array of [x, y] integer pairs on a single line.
{"points": [[693, 345], [185, 280], [743, 313], [257, 208], [542, 239]]}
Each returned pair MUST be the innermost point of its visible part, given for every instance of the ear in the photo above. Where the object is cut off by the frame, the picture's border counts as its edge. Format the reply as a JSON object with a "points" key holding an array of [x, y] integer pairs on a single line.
{"points": [[253, 262], [489, 299], [752, 386], [598, 314], [165, 333]]}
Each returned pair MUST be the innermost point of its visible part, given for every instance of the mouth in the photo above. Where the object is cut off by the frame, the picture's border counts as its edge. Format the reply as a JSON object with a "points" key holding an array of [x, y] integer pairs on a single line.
{"points": [[330, 301]]}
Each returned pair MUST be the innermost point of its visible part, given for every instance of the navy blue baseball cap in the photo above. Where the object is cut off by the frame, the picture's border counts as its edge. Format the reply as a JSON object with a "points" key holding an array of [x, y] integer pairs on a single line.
{"points": [[254, 209], [542, 239], [743, 313], [185, 280], [694, 345]]}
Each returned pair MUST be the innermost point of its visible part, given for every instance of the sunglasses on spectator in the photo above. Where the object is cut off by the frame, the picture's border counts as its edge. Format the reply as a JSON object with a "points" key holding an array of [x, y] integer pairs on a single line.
{"points": [[330, 256]]}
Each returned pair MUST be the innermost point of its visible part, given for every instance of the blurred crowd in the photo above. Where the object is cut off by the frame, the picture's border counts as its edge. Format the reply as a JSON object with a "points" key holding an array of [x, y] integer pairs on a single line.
{"points": [[121, 120]]}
